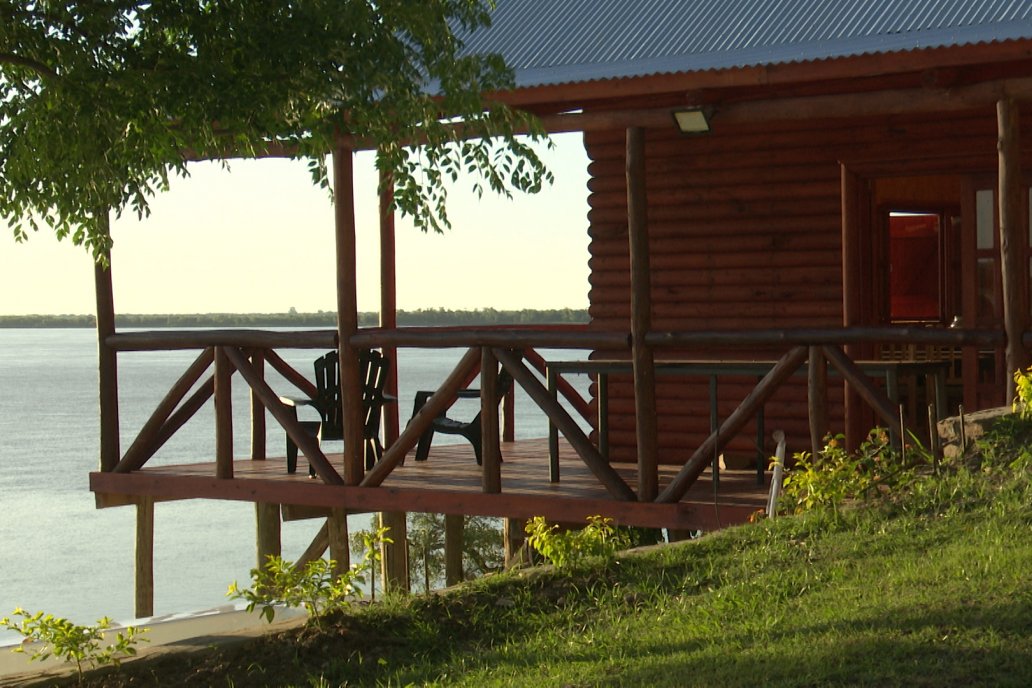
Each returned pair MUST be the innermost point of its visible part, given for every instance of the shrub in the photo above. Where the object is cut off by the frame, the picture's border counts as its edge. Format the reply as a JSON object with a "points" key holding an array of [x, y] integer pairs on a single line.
{"points": [[316, 586], [567, 547], [73, 643]]}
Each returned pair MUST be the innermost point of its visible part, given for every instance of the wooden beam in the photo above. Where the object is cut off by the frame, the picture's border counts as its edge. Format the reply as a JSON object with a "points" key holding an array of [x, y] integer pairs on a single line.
{"points": [[642, 358], [698, 461], [517, 338], [598, 465], [347, 312], [292, 376], [223, 414], [394, 555], [389, 302], [316, 548], [308, 445], [871, 395], [144, 557], [514, 538], [1013, 240], [258, 410], [435, 406], [817, 398], [267, 532], [143, 447], [337, 538], [686, 515], [802, 336], [454, 536], [174, 340], [107, 359], [491, 453]]}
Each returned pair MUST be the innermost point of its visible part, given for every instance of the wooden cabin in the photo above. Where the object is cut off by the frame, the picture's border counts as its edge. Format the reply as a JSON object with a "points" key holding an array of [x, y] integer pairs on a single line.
{"points": [[802, 214]]}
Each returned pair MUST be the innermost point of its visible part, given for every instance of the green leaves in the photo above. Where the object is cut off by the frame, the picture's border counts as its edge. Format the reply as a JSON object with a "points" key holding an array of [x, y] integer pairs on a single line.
{"points": [[317, 586], [101, 104], [564, 548], [73, 643]]}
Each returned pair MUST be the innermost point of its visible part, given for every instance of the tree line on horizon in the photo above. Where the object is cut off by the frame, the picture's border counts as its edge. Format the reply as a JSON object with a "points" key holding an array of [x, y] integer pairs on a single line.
{"points": [[414, 318]]}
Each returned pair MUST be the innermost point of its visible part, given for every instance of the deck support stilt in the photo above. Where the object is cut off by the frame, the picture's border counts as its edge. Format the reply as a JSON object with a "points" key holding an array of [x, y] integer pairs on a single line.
{"points": [[340, 552], [267, 527], [144, 557], [394, 555], [514, 536], [454, 542]]}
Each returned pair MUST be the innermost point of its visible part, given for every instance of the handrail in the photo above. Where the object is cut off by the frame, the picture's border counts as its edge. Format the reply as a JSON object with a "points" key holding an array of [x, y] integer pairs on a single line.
{"points": [[200, 339], [826, 336], [514, 337]]}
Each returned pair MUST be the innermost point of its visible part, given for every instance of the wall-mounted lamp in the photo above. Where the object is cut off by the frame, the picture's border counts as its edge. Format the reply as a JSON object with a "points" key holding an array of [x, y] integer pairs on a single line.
{"points": [[693, 120]]}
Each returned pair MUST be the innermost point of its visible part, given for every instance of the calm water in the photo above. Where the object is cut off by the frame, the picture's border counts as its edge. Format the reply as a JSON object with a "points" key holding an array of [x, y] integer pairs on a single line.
{"points": [[61, 554]]}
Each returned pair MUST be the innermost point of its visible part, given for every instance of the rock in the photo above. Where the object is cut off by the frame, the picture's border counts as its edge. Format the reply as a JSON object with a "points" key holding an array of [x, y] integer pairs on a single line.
{"points": [[975, 425]]}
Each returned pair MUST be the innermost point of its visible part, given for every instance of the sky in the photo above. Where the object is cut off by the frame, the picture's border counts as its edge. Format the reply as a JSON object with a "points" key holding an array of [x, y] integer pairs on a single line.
{"points": [[258, 238]]}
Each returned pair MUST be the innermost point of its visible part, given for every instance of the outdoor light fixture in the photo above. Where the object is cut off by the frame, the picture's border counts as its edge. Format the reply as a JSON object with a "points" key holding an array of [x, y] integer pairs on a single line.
{"points": [[693, 120]]}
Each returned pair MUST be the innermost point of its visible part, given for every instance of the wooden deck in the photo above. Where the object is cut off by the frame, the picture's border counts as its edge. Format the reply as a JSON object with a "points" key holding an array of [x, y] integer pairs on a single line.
{"points": [[449, 482]]}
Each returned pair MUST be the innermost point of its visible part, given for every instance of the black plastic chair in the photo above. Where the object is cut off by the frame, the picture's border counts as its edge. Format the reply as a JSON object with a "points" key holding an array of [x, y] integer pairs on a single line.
{"points": [[471, 430], [373, 369]]}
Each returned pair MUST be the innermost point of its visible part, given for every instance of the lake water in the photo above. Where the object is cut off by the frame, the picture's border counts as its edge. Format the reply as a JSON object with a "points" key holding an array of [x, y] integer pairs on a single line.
{"points": [[60, 554]]}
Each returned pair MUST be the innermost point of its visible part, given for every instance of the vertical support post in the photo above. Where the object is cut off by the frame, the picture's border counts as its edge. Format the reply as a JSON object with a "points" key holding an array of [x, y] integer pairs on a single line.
{"points": [[817, 398], [107, 360], [258, 452], [509, 415], [1013, 265], [851, 286], [490, 451], [337, 531], [394, 556], [223, 415], [144, 557], [267, 531], [347, 311], [514, 535], [454, 543], [389, 301], [643, 361]]}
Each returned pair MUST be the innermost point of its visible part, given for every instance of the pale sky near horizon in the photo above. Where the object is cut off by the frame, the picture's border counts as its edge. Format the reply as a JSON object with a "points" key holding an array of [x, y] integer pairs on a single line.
{"points": [[259, 238]]}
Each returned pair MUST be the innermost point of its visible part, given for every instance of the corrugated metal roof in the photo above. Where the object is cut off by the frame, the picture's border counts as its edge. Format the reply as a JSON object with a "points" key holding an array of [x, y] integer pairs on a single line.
{"points": [[559, 41]]}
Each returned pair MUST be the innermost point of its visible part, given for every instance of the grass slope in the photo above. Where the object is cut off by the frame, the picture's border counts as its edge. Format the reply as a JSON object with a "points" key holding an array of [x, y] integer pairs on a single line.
{"points": [[931, 588]]}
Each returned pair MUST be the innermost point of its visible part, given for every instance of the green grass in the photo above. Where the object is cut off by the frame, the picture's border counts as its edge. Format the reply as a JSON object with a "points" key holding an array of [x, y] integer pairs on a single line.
{"points": [[932, 587]]}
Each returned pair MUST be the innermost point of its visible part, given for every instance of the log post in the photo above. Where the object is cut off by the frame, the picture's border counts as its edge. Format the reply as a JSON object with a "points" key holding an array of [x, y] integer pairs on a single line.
{"points": [[1013, 265], [490, 451], [641, 317], [223, 414], [454, 542], [389, 301], [851, 290], [817, 398], [258, 449], [394, 555], [144, 557], [514, 536], [107, 361], [337, 530], [347, 311], [267, 529]]}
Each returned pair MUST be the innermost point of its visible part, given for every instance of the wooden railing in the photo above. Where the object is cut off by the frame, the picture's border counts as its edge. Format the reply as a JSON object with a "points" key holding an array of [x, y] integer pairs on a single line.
{"points": [[246, 352]]}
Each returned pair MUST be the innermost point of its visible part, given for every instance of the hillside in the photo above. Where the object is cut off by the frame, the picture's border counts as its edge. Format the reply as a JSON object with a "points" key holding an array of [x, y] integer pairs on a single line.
{"points": [[924, 583]]}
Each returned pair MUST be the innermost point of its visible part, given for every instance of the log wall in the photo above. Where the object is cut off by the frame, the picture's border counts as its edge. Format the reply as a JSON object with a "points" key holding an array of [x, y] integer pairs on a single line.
{"points": [[745, 232]]}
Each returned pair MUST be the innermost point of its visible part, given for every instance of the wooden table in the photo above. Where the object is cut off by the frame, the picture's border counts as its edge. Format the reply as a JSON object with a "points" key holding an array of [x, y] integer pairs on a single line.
{"points": [[889, 371]]}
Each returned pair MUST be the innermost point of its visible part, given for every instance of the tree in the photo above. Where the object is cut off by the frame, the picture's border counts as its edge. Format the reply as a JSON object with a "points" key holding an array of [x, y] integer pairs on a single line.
{"points": [[101, 101]]}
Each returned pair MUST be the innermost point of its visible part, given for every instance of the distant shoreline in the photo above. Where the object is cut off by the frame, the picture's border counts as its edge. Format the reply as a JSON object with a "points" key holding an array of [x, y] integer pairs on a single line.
{"points": [[422, 317]]}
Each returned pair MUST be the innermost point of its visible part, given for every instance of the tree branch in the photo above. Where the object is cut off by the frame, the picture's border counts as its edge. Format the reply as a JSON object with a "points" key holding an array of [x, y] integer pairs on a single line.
{"points": [[35, 65]]}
